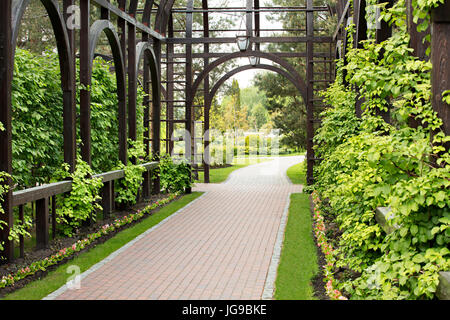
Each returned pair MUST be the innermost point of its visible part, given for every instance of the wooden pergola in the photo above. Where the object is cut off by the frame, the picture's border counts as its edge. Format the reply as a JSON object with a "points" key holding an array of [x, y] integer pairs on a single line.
{"points": [[144, 30]]}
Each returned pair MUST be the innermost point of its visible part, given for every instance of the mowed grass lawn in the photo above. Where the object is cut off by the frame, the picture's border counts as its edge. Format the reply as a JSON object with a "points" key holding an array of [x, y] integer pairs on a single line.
{"points": [[299, 260], [296, 173], [40, 288]]}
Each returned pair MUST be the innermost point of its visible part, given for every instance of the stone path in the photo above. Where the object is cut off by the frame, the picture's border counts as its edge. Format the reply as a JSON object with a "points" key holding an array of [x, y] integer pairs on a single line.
{"points": [[221, 246]]}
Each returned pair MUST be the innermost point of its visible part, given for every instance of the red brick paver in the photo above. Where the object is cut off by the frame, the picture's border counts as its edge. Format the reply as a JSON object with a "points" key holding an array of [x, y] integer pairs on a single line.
{"points": [[220, 247]]}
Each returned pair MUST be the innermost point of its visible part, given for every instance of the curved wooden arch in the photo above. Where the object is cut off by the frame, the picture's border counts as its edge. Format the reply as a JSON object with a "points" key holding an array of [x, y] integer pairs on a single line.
{"points": [[61, 36], [133, 7], [290, 69], [106, 26], [147, 13], [145, 49], [66, 64], [269, 67], [162, 16]]}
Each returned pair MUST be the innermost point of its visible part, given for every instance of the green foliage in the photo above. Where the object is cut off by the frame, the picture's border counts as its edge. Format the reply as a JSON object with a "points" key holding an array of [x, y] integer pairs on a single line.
{"points": [[175, 177], [80, 204], [129, 186], [37, 123], [104, 115], [369, 163]]}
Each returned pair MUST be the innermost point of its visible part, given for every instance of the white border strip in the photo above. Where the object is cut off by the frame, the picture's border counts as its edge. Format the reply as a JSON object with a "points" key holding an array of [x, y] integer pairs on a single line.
{"points": [[269, 286], [98, 265]]}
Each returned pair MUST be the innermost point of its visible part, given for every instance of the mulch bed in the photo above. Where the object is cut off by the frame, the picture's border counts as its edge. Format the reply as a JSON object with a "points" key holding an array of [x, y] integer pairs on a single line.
{"points": [[317, 282], [60, 243]]}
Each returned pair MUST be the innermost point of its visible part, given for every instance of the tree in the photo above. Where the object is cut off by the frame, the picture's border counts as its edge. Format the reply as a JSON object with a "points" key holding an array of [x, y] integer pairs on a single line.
{"points": [[230, 114], [284, 101]]}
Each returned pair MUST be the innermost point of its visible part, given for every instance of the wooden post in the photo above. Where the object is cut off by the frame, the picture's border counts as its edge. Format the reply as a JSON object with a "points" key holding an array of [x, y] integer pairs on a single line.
{"points": [[107, 198], [382, 34], [121, 24], [146, 106], [156, 121], [417, 44], [6, 73], [54, 217], [416, 38], [21, 238], [42, 225], [69, 99], [440, 58], [85, 96], [132, 86], [206, 99], [359, 19], [170, 89], [309, 94], [189, 95]]}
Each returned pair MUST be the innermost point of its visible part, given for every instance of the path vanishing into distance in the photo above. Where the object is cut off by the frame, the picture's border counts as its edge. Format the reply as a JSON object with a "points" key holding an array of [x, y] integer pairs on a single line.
{"points": [[224, 245]]}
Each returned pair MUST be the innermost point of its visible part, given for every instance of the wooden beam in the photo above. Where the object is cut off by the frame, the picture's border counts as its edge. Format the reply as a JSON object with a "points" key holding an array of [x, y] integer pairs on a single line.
{"points": [[316, 39], [123, 15]]}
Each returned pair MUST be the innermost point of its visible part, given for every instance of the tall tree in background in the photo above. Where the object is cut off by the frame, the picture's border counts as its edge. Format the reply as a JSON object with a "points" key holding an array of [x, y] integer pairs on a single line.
{"points": [[284, 102], [230, 114]]}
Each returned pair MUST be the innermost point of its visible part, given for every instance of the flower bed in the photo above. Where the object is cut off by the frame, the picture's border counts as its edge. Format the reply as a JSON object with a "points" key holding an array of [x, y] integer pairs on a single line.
{"points": [[43, 265], [326, 248]]}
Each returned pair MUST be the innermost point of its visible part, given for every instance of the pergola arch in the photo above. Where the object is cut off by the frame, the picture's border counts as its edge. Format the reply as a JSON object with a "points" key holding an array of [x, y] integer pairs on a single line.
{"points": [[66, 64], [157, 19], [289, 68], [97, 28], [210, 96], [145, 50], [237, 70]]}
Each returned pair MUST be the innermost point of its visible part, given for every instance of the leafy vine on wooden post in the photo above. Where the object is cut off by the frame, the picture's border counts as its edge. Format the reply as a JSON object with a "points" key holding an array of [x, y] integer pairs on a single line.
{"points": [[365, 167]]}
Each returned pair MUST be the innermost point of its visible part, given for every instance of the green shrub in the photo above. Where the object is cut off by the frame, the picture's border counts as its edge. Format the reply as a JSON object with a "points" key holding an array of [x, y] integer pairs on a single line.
{"points": [[128, 187], [174, 177], [369, 163], [81, 203]]}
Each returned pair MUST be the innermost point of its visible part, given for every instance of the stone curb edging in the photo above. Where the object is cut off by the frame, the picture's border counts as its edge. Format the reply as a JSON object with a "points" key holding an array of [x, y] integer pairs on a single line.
{"points": [[269, 286]]}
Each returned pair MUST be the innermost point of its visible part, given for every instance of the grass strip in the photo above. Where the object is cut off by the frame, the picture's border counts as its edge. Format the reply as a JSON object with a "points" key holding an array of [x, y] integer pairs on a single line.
{"points": [[40, 288], [296, 173], [298, 261]]}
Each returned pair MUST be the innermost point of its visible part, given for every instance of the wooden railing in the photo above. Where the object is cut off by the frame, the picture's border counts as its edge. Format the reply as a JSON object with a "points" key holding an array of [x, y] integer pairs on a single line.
{"points": [[45, 197]]}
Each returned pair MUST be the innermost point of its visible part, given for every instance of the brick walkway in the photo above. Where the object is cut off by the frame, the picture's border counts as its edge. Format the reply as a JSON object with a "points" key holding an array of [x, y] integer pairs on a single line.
{"points": [[219, 247]]}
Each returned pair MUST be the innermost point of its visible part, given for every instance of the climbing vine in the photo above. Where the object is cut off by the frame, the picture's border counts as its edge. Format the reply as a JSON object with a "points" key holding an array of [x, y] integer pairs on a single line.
{"points": [[370, 163], [129, 186], [81, 203], [175, 177]]}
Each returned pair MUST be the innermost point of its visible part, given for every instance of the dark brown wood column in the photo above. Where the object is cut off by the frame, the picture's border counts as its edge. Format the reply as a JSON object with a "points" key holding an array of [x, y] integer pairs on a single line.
{"points": [[6, 73]]}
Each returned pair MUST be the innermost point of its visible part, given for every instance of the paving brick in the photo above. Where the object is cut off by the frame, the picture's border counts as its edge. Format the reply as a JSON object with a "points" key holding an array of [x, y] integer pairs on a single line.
{"points": [[220, 247]]}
